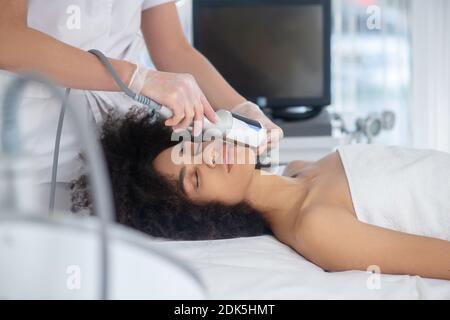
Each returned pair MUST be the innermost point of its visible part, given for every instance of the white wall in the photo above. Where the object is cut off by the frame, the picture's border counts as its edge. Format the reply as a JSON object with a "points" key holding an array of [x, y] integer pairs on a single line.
{"points": [[430, 99]]}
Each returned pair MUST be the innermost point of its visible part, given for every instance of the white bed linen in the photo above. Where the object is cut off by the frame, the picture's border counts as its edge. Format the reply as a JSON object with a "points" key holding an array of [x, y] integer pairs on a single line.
{"points": [[264, 268]]}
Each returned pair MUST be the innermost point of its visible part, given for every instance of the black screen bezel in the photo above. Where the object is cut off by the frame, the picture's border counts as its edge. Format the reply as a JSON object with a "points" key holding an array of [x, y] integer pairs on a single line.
{"points": [[319, 101]]}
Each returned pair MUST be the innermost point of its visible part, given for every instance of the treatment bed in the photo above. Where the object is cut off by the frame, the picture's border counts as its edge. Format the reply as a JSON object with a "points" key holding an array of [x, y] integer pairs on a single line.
{"points": [[264, 268]]}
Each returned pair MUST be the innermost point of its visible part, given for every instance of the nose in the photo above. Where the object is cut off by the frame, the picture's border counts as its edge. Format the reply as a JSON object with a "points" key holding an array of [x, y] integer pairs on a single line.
{"points": [[211, 156]]}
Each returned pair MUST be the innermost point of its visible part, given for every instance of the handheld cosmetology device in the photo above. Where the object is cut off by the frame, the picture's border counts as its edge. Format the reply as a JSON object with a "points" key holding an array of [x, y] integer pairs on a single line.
{"points": [[232, 127]]}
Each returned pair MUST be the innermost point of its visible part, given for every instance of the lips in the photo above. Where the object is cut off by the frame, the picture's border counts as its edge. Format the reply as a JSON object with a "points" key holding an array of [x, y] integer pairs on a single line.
{"points": [[227, 156]]}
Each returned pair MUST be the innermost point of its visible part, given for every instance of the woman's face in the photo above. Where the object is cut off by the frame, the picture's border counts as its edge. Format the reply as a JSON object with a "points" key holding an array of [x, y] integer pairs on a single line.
{"points": [[209, 171]]}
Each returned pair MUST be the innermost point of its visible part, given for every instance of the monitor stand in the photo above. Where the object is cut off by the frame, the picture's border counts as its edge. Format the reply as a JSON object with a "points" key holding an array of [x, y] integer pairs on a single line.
{"points": [[296, 113], [317, 125]]}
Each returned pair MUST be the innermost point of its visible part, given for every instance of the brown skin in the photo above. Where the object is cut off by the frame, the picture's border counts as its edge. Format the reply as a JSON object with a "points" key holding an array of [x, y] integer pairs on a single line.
{"points": [[206, 170], [310, 209]]}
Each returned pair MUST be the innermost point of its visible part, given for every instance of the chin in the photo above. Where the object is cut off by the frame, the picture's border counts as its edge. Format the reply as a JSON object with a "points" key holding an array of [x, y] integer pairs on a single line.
{"points": [[250, 155], [243, 170]]}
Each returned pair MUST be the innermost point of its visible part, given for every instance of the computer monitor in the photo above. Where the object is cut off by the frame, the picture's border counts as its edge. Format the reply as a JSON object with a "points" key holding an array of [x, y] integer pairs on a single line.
{"points": [[274, 52]]}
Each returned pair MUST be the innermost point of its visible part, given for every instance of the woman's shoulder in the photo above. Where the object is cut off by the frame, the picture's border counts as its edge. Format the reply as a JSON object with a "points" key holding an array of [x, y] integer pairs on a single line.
{"points": [[318, 226], [316, 219], [321, 210]]}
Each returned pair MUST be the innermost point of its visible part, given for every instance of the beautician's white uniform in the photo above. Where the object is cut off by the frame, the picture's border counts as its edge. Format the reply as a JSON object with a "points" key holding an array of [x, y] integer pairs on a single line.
{"points": [[113, 27]]}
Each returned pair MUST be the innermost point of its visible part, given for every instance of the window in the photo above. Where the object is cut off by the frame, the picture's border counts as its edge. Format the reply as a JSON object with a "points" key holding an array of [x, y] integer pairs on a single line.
{"points": [[371, 62]]}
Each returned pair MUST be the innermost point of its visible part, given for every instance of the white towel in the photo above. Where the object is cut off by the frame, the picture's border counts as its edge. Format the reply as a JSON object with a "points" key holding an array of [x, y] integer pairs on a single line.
{"points": [[400, 189]]}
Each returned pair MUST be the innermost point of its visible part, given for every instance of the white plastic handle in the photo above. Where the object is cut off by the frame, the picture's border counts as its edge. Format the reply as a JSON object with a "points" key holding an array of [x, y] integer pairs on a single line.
{"points": [[166, 112]]}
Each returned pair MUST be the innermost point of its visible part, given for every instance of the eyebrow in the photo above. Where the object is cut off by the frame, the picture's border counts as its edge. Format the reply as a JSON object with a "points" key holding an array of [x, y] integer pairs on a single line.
{"points": [[181, 179]]}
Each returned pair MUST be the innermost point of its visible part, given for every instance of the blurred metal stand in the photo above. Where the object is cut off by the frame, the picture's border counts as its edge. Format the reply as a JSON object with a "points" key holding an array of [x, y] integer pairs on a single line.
{"points": [[63, 256]]}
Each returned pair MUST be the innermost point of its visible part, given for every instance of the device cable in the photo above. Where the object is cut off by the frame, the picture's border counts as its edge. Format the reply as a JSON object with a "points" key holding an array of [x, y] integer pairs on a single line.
{"points": [[51, 206]]}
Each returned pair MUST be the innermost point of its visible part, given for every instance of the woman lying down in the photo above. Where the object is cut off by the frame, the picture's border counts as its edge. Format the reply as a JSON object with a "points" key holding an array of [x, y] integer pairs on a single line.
{"points": [[359, 207]]}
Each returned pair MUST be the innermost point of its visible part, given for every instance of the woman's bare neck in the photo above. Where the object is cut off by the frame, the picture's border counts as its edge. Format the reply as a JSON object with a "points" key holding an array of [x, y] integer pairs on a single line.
{"points": [[278, 198]]}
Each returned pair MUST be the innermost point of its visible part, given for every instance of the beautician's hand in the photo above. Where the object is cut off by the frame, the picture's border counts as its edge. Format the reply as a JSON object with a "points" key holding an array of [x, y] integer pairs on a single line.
{"points": [[274, 133], [177, 91]]}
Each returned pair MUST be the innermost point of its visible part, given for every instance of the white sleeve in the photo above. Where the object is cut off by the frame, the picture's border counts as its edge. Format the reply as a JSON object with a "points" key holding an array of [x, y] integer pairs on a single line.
{"points": [[147, 4]]}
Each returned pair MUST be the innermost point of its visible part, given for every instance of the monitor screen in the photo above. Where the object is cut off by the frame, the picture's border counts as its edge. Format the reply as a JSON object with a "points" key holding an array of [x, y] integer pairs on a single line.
{"points": [[272, 52]]}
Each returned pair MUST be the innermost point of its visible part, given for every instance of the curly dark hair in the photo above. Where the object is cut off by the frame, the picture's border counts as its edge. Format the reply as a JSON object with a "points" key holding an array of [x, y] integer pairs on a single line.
{"points": [[149, 202]]}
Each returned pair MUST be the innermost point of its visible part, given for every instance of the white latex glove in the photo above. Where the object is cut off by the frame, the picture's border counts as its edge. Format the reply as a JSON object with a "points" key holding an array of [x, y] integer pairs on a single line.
{"points": [[177, 91], [274, 133]]}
